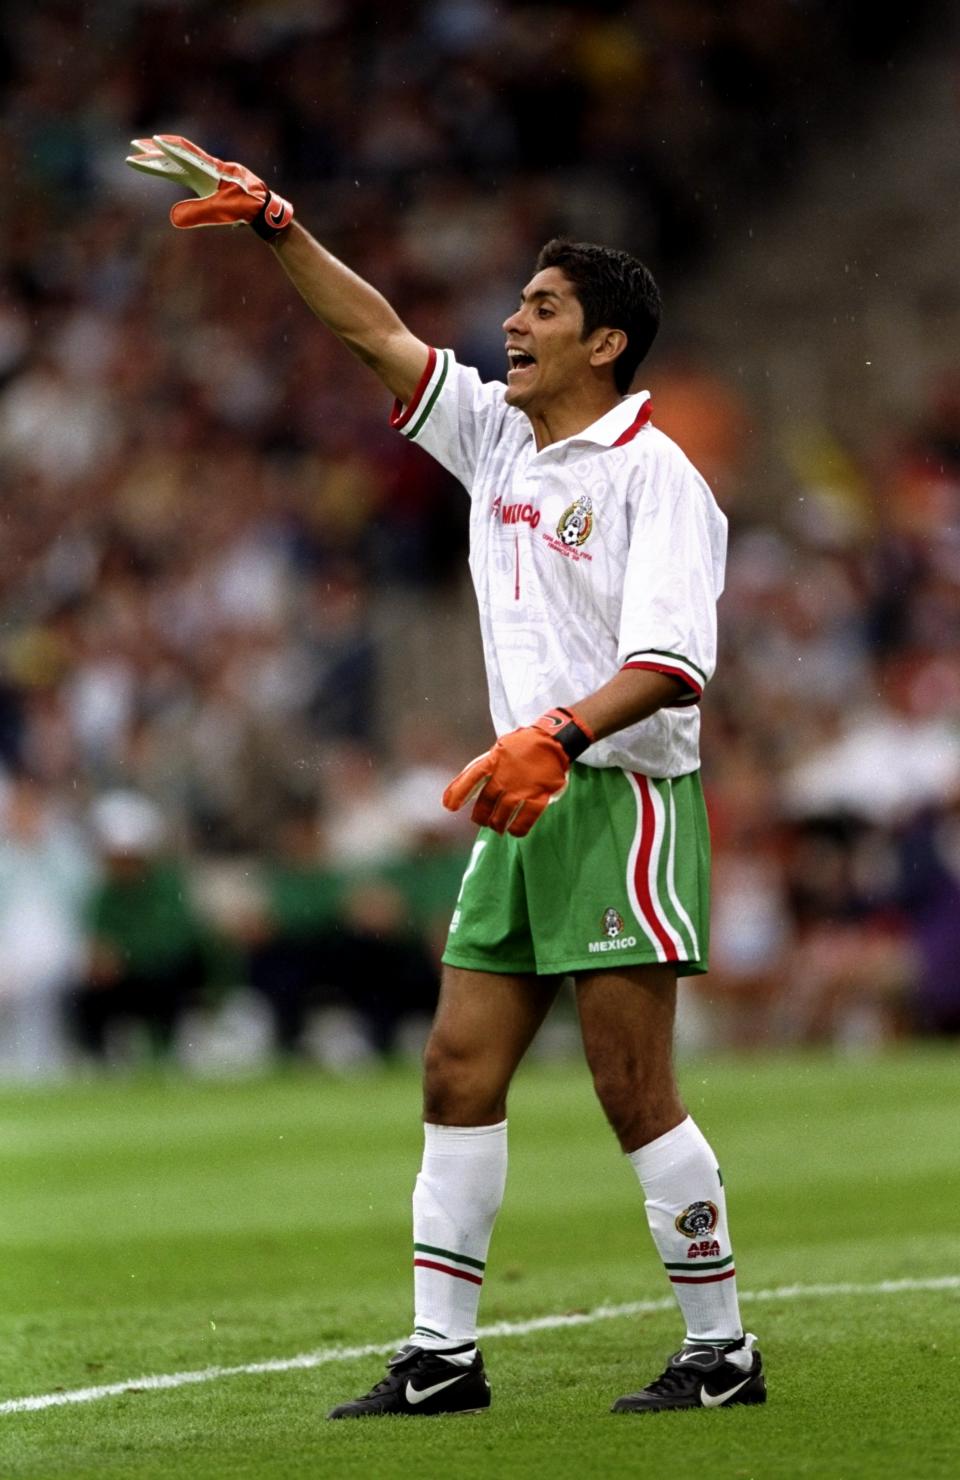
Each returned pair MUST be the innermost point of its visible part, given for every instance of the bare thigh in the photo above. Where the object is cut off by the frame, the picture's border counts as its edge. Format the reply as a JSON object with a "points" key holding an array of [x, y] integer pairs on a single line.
{"points": [[626, 1018], [484, 1025]]}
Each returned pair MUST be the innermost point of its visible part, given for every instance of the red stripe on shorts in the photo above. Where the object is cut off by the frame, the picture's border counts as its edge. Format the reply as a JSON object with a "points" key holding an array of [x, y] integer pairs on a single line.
{"points": [[640, 880]]}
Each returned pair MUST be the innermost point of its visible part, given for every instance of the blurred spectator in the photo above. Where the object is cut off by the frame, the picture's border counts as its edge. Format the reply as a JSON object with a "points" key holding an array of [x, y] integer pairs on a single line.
{"points": [[147, 960], [46, 874], [929, 894], [289, 927], [381, 965], [704, 415]]}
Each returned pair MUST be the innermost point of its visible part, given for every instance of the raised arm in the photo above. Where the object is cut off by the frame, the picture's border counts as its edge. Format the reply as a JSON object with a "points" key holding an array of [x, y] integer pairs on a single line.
{"points": [[356, 312], [230, 195]]}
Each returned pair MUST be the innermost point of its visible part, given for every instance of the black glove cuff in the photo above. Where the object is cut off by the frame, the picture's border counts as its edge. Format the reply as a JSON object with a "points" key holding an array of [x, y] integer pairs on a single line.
{"points": [[260, 225], [574, 740]]}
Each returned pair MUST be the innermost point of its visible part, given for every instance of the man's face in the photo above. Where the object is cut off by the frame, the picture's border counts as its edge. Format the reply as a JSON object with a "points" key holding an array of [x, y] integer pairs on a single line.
{"points": [[546, 356]]}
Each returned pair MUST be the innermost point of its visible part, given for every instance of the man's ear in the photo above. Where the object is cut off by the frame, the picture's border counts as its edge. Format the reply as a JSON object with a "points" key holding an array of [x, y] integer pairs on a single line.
{"points": [[608, 344]]}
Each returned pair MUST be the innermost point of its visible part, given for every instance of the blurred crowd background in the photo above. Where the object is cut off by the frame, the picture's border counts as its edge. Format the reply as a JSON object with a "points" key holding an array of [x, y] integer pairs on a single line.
{"points": [[238, 657]]}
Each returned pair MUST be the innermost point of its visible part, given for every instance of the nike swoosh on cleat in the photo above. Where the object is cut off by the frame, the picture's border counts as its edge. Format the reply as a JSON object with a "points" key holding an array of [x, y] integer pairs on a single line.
{"points": [[714, 1400], [420, 1395]]}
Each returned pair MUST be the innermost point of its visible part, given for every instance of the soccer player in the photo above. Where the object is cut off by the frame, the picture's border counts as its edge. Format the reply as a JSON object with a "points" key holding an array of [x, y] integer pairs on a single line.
{"points": [[597, 552]]}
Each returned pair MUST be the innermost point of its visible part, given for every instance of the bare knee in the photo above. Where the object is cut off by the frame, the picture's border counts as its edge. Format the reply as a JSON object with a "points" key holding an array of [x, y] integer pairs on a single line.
{"points": [[461, 1083], [640, 1106], [626, 1017]]}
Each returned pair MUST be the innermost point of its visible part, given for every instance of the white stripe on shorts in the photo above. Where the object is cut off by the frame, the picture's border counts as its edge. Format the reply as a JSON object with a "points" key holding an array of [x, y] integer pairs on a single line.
{"points": [[671, 879], [653, 870], [642, 785]]}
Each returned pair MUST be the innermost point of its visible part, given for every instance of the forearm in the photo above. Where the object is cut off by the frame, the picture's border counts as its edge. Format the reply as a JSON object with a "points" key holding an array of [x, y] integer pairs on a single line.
{"points": [[353, 310], [631, 695]]}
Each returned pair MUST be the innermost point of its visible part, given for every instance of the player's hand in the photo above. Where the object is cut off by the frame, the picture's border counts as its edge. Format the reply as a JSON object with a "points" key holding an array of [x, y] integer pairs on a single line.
{"points": [[514, 781], [230, 195]]}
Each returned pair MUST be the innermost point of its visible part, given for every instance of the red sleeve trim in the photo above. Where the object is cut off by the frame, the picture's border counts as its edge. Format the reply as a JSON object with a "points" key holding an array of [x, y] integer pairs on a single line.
{"points": [[695, 688], [399, 417], [638, 423]]}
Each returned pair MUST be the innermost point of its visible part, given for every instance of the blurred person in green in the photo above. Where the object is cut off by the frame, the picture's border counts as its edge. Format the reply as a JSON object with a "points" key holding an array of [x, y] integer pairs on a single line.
{"points": [[317, 934], [147, 957], [286, 929], [382, 966], [428, 871]]}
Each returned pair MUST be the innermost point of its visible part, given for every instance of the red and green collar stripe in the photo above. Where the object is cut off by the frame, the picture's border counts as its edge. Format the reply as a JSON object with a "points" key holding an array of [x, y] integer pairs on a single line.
{"points": [[446, 1261], [409, 419]]}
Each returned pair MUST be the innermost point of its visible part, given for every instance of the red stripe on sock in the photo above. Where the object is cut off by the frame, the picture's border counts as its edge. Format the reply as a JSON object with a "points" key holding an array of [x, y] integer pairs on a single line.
{"points": [[458, 1274], [703, 1279]]}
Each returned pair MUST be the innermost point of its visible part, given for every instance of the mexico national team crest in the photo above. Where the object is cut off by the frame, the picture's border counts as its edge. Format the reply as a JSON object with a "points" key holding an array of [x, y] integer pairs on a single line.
{"points": [[698, 1219], [612, 923], [576, 523]]}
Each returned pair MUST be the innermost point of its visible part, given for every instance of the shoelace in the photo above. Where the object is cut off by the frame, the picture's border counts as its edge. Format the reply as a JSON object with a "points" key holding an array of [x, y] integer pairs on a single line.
{"points": [[395, 1375], [670, 1381]]}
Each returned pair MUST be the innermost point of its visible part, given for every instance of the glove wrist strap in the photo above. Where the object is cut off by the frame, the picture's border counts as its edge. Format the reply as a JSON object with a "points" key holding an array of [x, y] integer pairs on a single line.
{"points": [[277, 208], [573, 736]]}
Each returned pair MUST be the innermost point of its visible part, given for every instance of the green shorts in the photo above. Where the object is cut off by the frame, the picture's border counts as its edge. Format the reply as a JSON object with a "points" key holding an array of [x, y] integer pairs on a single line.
{"points": [[616, 872]]}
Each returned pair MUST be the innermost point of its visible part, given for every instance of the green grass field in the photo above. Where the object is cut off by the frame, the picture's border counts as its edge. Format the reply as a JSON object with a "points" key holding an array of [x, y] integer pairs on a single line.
{"points": [[163, 1226]]}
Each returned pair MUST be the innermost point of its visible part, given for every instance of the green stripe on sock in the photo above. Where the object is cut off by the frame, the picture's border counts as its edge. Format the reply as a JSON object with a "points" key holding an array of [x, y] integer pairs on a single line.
{"points": [[449, 1254], [707, 1264], [428, 1331]]}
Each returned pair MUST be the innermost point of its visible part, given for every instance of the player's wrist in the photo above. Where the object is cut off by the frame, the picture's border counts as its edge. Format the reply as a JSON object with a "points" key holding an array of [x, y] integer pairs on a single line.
{"points": [[273, 218], [571, 733]]}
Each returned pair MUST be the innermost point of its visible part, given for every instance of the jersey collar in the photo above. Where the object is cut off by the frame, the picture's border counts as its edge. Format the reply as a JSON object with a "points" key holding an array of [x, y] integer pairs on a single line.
{"points": [[618, 425]]}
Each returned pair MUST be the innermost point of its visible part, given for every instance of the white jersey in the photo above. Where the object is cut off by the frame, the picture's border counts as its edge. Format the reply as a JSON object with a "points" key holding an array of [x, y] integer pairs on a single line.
{"points": [[602, 551]]}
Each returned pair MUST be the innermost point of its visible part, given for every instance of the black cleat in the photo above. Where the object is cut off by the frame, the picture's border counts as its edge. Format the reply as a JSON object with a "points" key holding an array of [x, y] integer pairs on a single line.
{"points": [[703, 1377], [422, 1383]]}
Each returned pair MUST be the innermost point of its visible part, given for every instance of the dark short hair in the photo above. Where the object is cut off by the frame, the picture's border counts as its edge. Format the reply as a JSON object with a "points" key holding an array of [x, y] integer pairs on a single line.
{"points": [[615, 291]]}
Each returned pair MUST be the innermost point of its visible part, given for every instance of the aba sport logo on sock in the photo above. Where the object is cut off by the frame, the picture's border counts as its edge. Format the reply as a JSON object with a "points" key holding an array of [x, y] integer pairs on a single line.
{"points": [[699, 1219]]}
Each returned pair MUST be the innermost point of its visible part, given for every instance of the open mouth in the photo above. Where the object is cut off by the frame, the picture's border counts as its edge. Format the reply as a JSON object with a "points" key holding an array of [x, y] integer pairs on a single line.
{"points": [[518, 359]]}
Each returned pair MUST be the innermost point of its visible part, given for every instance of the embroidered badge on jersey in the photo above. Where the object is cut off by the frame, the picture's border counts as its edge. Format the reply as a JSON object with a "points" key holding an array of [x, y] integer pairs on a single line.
{"points": [[576, 522]]}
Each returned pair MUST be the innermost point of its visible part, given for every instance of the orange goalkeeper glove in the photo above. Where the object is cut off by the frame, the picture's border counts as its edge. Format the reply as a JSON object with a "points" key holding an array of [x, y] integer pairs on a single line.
{"points": [[229, 194], [515, 780]]}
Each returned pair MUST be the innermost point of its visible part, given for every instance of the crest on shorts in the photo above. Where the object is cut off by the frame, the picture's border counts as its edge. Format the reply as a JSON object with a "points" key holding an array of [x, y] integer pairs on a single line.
{"points": [[576, 523], [698, 1219], [612, 922]]}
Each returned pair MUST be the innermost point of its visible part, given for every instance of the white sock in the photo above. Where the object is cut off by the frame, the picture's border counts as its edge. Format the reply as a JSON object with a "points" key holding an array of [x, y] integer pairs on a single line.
{"points": [[455, 1201], [687, 1212]]}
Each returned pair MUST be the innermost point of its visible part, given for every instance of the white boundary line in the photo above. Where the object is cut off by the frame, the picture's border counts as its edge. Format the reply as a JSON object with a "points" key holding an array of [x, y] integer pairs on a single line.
{"points": [[323, 1357]]}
